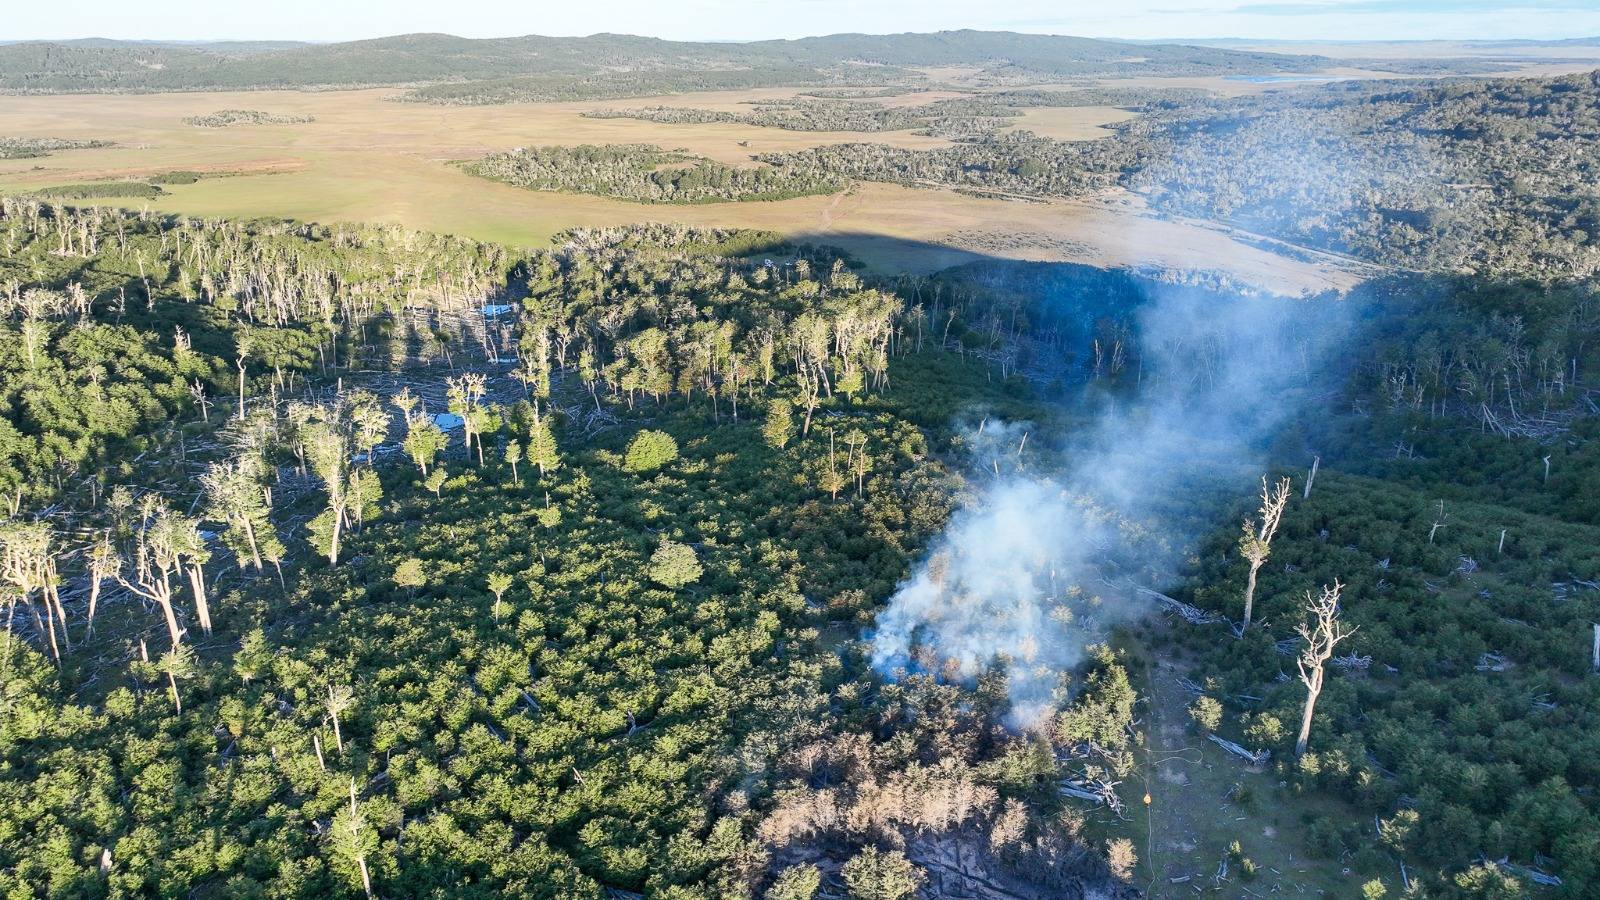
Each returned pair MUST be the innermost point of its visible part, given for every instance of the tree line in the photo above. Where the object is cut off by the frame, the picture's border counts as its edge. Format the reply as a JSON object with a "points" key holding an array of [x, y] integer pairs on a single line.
{"points": [[646, 174]]}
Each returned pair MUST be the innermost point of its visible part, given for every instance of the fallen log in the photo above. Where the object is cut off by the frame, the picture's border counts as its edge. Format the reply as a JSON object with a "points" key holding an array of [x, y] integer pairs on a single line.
{"points": [[1194, 615], [1255, 758], [1100, 792], [1072, 790], [1528, 872], [1492, 662]]}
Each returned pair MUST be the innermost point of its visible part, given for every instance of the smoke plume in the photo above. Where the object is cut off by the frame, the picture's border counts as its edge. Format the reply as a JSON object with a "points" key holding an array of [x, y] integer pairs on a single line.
{"points": [[1036, 567]]}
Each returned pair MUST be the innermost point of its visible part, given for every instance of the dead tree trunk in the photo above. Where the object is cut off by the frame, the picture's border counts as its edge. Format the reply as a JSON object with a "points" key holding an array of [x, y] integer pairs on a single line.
{"points": [[1321, 634], [1256, 543], [197, 581]]}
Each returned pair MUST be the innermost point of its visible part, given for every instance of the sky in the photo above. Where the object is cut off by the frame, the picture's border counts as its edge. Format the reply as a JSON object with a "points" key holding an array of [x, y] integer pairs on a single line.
{"points": [[335, 20]]}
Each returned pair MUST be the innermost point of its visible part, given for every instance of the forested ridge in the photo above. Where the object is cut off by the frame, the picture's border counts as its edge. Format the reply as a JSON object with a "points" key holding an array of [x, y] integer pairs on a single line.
{"points": [[498, 70]]}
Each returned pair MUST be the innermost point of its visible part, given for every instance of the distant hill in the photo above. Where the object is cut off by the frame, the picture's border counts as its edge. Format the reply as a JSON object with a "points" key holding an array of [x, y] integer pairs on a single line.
{"points": [[220, 47], [106, 65]]}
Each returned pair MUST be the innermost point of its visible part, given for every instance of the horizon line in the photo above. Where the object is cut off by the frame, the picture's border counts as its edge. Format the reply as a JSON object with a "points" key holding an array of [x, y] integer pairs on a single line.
{"points": [[1160, 40]]}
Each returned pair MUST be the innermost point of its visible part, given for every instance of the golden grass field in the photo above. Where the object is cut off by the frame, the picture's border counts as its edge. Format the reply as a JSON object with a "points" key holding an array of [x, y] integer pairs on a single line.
{"points": [[367, 158]]}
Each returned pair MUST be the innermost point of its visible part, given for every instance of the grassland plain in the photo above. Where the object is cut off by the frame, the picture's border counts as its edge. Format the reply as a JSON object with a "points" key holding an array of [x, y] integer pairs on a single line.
{"points": [[366, 158]]}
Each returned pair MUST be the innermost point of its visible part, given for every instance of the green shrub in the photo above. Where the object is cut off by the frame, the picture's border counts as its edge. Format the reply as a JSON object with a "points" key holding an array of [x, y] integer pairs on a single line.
{"points": [[871, 875], [176, 177], [649, 450], [1265, 730], [674, 565], [795, 883], [409, 574], [1206, 713]]}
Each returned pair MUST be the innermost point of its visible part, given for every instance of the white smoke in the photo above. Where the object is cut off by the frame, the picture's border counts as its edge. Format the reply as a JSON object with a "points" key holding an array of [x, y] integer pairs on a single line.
{"points": [[998, 586], [1023, 575]]}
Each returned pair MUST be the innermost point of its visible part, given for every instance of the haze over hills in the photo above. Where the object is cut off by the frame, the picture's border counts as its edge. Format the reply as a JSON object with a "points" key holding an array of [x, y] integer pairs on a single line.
{"points": [[1460, 53], [198, 44], [101, 65]]}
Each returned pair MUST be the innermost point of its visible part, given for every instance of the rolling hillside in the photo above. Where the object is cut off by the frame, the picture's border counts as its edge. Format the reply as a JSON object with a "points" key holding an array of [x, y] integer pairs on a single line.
{"points": [[100, 65]]}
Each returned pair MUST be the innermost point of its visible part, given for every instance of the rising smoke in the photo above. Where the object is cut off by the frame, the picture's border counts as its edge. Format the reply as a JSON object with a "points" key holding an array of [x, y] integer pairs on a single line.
{"points": [[1035, 568]]}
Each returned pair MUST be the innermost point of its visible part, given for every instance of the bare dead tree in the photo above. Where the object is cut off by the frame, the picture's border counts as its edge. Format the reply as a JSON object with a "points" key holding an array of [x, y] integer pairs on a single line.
{"points": [[1256, 543], [28, 568], [1322, 632], [1439, 521], [168, 545], [104, 562], [340, 698], [355, 839]]}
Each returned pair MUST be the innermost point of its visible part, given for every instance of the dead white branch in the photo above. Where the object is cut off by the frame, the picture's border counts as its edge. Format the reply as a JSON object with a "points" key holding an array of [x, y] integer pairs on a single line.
{"points": [[1253, 757]]}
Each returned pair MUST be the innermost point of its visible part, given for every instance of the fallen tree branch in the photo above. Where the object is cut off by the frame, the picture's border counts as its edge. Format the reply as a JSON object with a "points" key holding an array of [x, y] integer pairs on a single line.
{"points": [[1528, 872], [1194, 615], [1255, 758]]}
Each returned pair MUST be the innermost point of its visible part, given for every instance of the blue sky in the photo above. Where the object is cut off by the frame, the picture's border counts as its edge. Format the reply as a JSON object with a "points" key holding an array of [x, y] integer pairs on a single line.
{"points": [[751, 19]]}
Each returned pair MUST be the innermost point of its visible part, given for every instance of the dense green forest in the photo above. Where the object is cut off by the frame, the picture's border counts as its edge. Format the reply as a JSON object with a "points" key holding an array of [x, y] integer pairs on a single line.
{"points": [[341, 560], [613, 85], [800, 114], [347, 560], [1447, 486], [575, 621], [132, 190]]}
